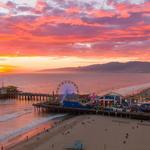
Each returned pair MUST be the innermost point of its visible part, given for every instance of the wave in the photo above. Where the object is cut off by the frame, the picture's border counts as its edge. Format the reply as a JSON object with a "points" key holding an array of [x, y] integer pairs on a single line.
{"points": [[14, 115], [7, 102], [29, 127]]}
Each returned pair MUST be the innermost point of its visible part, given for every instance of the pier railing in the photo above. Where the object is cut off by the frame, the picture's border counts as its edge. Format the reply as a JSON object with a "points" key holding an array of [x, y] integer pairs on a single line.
{"points": [[34, 96], [44, 107]]}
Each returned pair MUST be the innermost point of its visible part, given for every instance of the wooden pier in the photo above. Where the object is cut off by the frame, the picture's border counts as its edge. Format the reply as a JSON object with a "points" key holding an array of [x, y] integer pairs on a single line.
{"points": [[8, 96], [35, 97], [27, 96], [78, 111]]}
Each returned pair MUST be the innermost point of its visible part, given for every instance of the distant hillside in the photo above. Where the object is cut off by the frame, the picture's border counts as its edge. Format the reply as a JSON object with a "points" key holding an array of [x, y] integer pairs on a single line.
{"points": [[112, 67]]}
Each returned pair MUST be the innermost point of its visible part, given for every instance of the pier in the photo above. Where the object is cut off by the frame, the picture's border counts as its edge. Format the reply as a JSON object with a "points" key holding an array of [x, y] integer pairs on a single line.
{"points": [[28, 96], [34, 96], [41, 96], [61, 101], [44, 107], [8, 96]]}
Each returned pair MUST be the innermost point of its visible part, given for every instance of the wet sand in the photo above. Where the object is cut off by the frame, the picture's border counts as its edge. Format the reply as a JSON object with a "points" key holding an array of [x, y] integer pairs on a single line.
{"points": [[95, 132]]}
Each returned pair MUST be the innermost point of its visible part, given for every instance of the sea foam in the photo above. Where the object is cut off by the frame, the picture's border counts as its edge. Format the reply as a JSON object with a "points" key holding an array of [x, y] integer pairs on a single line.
{"points": [[29, 127], [14, 115]]}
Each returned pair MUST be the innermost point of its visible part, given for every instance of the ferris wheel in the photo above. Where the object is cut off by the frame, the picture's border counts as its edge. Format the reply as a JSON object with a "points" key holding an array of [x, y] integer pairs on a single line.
{"points": [[67, 90]]}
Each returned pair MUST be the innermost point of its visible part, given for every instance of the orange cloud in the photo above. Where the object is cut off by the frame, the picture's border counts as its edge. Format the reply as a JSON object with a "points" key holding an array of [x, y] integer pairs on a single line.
{"points": [[7, 69], [67, 29]]}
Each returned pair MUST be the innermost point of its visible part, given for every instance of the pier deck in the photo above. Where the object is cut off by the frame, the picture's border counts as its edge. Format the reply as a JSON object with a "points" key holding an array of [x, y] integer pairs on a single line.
{"points": [[78, 111]]}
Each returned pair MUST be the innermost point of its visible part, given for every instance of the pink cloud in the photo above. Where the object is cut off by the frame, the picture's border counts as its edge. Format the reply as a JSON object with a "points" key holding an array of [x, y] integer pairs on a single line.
{"points": [[53, 31]]}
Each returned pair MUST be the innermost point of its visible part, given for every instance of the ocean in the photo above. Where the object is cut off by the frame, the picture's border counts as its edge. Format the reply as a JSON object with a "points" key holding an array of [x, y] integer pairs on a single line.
{"points": [[18, 117], [87, 82]]}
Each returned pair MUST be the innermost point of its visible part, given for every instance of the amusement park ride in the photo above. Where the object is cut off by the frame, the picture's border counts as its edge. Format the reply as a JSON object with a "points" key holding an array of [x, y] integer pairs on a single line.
{"points": [[68, 96], [67, 90], [68, 100]]}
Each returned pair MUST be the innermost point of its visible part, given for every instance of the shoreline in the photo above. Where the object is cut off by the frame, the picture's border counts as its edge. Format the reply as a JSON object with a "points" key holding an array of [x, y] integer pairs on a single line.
{"points": [[40, 129], [8, 144], [54, 130], [84, 127]]}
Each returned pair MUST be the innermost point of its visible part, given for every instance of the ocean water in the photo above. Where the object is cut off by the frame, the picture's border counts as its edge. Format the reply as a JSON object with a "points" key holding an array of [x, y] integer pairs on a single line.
{"points": [[86, 81], [18, 117]]}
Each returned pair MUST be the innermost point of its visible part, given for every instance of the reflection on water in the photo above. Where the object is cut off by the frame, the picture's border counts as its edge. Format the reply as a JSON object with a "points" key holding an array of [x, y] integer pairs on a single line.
{"points": [[18, 117]]}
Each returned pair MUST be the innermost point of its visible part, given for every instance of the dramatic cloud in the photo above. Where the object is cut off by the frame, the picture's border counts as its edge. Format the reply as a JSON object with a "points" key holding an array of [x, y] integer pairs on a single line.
{"points": [[81, 28]]}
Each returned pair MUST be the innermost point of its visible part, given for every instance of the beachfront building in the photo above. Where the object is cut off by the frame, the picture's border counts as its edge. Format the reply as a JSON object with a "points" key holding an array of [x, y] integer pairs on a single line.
{"points": [[111, 98], [8, 92]]}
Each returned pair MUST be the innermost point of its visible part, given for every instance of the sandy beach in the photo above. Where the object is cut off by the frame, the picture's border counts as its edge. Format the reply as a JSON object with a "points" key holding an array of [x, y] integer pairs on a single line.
{"points": [[95, 133]]}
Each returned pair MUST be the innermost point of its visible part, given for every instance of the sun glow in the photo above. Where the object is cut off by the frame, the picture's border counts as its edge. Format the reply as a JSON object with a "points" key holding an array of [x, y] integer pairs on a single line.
{"points": [[7, 69], [28, 64]]}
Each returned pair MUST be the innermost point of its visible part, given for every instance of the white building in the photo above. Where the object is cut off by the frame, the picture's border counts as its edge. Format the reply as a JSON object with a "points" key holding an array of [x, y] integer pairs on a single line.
{"points": [[112, 97]]}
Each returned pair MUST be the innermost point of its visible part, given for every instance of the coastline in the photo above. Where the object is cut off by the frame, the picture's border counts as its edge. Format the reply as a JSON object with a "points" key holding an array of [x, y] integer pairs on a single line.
{"points": [[40, 129], [54, 129], [96, 132]]}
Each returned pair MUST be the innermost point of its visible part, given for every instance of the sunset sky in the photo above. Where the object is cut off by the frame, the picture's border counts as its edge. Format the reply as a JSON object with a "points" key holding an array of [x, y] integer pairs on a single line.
{"points": [[42, 34]]}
